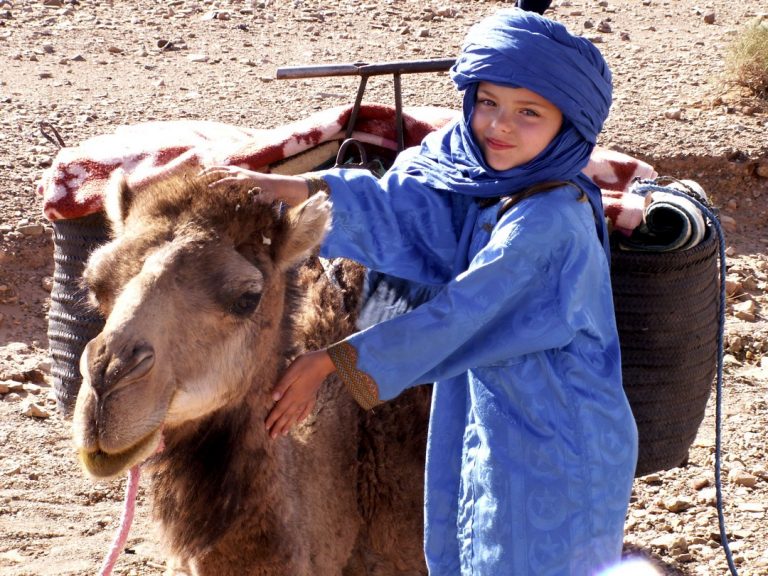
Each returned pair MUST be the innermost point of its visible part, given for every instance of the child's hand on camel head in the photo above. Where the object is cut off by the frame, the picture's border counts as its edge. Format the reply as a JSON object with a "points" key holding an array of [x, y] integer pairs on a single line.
{"points": [[268, 187]]}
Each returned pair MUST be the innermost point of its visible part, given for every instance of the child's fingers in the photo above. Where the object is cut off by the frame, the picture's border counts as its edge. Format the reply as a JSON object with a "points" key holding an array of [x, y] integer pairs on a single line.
{"points": [[306, 412], [279, 420]]}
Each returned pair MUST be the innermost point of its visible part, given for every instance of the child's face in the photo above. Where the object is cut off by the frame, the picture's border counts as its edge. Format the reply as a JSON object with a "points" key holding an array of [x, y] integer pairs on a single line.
{"points": [[512, 125]]}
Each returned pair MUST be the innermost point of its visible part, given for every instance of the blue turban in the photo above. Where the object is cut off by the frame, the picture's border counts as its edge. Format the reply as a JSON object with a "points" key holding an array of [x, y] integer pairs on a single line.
{"points": [[522, 49]]}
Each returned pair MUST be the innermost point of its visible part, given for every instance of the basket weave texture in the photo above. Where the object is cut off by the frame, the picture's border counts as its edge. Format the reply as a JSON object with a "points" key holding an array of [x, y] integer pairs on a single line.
{"points": [[71, 322], [667, 309]]}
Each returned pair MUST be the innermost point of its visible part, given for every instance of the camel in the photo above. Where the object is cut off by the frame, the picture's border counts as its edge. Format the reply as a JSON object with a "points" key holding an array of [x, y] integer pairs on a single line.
{"points": [[207, 297]]}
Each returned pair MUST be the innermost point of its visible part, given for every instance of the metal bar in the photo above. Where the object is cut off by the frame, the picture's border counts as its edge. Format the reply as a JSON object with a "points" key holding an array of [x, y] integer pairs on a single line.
{"points": [[399, 125], [356, 107], [364, 69]]}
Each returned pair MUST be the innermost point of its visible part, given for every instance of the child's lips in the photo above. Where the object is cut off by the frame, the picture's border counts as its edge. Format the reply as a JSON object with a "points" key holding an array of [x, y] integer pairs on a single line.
{"points": [[498, 144]]}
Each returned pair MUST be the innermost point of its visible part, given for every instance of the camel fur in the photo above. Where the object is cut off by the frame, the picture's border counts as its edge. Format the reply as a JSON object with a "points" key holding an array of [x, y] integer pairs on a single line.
{"points": [[207, 297]]}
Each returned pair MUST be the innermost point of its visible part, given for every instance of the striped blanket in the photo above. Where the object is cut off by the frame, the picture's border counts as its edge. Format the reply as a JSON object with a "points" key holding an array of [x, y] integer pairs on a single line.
{"points": [[74, 185]]}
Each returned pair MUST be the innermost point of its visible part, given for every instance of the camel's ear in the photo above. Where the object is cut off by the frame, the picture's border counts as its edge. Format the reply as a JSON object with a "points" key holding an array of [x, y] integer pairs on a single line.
{"points": [[307, 224], [117, 200]]}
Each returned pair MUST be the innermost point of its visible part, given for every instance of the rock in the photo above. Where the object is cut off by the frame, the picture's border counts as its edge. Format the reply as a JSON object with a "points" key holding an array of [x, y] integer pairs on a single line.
{"points": [[651, 479], [12, 557], [604, 27], [676, 503], [674, 114], [12, 386], [728, 223], [762, 169], [752, 507], [674, 543], [44, 366], [760, 471], [699, 483], [31, 229], [197, 58], [47, 283], [733, 286], [34, 410], [32, 389], [709, 18], [745, 310], [707, 496], [742, 478]]}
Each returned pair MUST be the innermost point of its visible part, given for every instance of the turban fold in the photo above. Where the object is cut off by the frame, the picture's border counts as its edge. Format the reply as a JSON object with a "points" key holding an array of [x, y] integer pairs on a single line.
{"points": [[521, 49]]}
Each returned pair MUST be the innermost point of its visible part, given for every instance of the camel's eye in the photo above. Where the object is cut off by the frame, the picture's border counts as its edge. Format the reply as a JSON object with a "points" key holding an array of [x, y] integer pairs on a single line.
{"points": [[246, 303]]}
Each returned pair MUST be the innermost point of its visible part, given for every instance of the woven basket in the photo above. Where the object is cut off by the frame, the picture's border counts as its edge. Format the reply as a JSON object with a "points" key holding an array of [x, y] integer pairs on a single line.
{"points": [[71, 322], [667, 307]]}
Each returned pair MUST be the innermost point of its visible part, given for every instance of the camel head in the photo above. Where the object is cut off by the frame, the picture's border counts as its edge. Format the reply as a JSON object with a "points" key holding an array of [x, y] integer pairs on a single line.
{"points": [[194, 286]]}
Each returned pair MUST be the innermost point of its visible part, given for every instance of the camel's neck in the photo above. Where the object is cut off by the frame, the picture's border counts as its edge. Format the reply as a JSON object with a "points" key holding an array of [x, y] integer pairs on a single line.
{"points": [[210, 473]]}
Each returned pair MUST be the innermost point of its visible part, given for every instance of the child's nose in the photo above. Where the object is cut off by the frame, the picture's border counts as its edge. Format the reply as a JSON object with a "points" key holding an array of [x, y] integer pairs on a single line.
{"points": [[503, 121]]}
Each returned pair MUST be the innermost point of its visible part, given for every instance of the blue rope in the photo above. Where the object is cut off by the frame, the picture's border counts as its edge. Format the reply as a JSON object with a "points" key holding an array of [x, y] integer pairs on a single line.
{"points": [[650, 186]]}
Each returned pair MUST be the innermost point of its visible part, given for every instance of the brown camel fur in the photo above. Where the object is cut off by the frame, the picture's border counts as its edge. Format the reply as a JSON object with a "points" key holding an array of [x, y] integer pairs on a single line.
{"points": [[207, 297]]}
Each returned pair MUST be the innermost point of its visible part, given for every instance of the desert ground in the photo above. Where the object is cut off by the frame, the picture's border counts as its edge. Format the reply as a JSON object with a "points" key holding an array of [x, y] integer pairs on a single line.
{"points": [[87, 67]]}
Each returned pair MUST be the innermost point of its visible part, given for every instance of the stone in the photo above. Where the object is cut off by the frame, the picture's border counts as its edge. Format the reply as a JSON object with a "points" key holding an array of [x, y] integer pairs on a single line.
{"points": [[742, 478], [34, 410], [674, 114], [674, 543], [752, 507], [728, 223], [31, 229], [745, 310], [676, 504], [699, 483], [733, 286], [604, 26]]}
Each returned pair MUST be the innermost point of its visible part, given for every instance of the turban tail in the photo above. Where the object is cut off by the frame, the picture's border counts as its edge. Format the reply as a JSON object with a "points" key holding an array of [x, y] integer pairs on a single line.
{"points": [[521, 49]]}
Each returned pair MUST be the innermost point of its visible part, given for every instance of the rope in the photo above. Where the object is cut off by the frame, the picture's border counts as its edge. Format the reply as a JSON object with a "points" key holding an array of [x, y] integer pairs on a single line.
{"points": [[126, 519], [649, 186], [54, 138]]}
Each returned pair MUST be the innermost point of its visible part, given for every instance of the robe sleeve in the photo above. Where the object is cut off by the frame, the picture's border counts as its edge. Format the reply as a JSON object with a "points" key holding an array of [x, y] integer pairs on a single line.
{"points": [[515, 299], [394, 225]]}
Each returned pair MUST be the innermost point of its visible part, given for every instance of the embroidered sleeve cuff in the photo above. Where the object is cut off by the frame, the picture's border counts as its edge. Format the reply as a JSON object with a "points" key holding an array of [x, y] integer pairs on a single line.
{"points": [[360, 384]]}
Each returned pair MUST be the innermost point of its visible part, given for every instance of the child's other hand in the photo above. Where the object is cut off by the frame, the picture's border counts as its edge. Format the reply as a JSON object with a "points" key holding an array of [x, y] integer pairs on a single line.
{"points": [[224, 176], [296, 392], [292, 190]]}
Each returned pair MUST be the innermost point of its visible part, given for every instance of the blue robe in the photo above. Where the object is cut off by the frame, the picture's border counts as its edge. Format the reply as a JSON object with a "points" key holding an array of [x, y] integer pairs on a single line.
{"points": [[532, 445]]}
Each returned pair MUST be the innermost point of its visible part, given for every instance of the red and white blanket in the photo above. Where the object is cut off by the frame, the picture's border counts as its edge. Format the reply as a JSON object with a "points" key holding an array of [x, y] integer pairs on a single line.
{"points": [[74, 185]]}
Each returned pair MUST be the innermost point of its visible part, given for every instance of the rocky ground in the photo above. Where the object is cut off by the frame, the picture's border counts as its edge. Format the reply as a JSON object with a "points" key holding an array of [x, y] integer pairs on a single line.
{"points": [[89, 66]]}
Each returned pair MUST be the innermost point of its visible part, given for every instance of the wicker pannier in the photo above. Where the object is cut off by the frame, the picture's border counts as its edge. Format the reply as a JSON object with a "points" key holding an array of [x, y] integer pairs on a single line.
{"points": [[667, 310], [71, 322]]}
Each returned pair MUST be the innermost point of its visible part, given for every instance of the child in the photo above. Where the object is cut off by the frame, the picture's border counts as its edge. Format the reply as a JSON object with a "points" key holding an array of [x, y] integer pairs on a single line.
{"points": [[532, 445]]}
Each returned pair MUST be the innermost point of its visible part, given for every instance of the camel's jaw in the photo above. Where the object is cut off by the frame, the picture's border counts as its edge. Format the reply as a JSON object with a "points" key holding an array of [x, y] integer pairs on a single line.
{"points": [[102, 465]]}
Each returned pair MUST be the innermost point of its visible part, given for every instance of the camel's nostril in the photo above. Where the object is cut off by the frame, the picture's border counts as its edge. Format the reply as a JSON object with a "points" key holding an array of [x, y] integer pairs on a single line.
{"points": [[111, 370], [136, 366]]}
